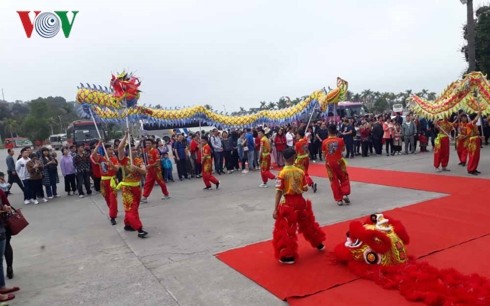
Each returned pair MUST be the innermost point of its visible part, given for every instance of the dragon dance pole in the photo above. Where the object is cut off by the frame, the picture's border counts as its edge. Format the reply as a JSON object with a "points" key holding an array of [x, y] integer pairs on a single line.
{"points": [[129, 136], [309, 120], [480, 108], [97, 129]]}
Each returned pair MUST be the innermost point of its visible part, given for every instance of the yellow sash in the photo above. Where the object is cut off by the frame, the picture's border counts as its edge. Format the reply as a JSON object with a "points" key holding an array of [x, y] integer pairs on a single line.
{"points": [[127, 184], [437, 141], [113, 180]]}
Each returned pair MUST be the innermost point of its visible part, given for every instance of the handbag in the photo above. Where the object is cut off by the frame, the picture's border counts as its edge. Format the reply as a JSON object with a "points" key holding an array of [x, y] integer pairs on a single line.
{"points": [[16, 221]]}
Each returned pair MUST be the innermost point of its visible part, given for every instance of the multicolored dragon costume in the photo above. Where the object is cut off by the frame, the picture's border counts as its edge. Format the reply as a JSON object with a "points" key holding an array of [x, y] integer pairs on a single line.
{"points": [[376, 249], [108, 106], [470, 94]]}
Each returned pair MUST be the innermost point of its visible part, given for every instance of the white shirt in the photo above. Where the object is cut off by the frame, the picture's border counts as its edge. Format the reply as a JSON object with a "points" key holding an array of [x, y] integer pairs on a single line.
{"points": [[307, 135], [289, 139], [21, 168]]}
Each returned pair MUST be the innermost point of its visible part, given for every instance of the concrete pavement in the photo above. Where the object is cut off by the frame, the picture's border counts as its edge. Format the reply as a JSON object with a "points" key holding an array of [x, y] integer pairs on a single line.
{"points": [[71, 255]]}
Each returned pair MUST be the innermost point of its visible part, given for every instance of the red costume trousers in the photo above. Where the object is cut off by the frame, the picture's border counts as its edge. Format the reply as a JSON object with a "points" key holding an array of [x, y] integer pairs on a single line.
{"points": [[339, 179], [295, 214], [441, 151], [265, 167], [131, 202], [154, 174], [474, 145], [304, 164], [208, 178], [461, 148], [110, 197]]}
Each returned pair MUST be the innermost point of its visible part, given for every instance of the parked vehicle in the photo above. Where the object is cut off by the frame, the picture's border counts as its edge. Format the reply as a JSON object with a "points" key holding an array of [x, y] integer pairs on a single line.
{"points": [[17, 142], [84, 132], [57, 141]]}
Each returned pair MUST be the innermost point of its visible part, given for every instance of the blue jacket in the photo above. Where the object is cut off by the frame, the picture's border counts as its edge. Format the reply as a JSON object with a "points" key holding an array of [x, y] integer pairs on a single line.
{"points": [[166, 163]]}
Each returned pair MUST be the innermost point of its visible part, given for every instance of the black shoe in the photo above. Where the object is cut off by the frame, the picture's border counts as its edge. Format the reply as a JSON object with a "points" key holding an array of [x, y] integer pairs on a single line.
{"points": [[113, 221], [129, 228], [340, 203], [347, 200], [473, 172], [10, 272], [287, 260], [217, 185], [142, 234], [314, 187], [320, 247], [207, 188], [477, 172]]}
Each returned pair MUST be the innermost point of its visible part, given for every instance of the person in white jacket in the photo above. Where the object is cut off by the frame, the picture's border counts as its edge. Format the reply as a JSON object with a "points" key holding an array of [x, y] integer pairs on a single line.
{"points": [[21, 169]]}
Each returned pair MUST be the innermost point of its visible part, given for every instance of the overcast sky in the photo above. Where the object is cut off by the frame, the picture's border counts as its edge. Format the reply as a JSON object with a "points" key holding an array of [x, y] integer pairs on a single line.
{"points": [[235, 53]]}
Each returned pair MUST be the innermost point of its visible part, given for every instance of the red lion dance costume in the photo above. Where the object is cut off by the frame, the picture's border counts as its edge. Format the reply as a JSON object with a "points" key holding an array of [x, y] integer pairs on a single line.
{"points": [[375, 250]]}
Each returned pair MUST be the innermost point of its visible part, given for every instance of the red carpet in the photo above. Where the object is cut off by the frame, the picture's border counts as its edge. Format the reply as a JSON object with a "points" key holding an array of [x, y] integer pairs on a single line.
{"points": [[445, 231]]}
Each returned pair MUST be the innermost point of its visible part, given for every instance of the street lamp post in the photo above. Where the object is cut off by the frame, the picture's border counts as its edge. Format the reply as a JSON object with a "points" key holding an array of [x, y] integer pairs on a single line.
{"points": [[470, 35]]}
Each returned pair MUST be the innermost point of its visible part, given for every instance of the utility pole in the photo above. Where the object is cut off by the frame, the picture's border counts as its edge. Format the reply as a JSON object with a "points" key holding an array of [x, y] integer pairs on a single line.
{"points": [[470, 35], [3, 96], [61, 125]]}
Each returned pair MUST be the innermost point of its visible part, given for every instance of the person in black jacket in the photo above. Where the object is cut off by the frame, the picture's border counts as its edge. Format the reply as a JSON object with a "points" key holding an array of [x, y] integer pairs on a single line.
{"points": [[377, 134]]}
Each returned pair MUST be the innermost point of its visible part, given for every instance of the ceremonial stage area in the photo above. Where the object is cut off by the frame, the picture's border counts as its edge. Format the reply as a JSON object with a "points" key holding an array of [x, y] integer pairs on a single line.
{"points": [[213, 248], [448, 232]]}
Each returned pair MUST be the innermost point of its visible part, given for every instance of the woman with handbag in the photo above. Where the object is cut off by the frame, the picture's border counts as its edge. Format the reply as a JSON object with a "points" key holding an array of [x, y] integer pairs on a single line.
{"points": [[5, 293]]}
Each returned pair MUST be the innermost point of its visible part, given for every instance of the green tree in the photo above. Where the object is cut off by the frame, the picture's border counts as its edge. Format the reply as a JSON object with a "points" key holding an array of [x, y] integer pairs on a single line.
{"points": [[11, 126], [380, 105], [482, 38]]}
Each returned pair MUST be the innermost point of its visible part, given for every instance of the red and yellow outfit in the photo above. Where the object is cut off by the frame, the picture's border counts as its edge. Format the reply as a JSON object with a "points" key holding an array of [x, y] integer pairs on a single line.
{"points": [[154, 173], [462, 142], [441, 144], [207, 166], [303, 158], [294, 213], [474, 145], [108, 183], [131, 192], [333, 147], [265, 160]]}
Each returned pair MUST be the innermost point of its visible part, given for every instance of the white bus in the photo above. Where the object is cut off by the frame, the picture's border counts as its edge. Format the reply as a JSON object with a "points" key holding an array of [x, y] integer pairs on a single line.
{"points": [[57, 141], [398, 108]]}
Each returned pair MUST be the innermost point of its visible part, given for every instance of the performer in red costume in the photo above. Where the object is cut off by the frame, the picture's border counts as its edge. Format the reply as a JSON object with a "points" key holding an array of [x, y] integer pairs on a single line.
{"points": [[474, 146], [294, 213], [303, 158], [332, 148], [154, 172], [207, 165], [131, 190], [265, 159], [462, 139], [441, 146], [108, 170]]}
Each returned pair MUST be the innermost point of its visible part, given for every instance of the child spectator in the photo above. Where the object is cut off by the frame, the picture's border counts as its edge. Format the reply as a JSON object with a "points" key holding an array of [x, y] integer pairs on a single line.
{"points": [[167, 168]]}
